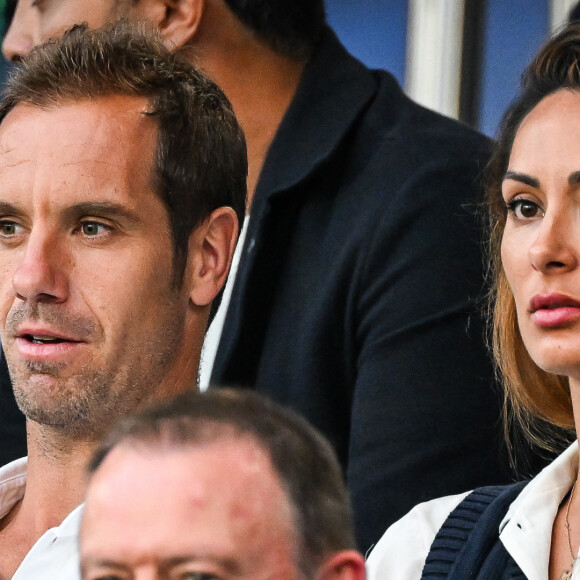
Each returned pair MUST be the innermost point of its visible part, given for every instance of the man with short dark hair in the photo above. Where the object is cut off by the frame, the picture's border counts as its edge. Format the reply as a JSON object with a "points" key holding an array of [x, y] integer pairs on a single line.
{"points": [[215, 485], [122, 177], [355, 301]]}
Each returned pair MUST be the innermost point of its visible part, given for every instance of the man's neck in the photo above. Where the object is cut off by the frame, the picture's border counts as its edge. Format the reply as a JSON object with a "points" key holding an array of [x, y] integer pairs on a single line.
{"points": [[259, 82], [55, 486], [260, 101]]}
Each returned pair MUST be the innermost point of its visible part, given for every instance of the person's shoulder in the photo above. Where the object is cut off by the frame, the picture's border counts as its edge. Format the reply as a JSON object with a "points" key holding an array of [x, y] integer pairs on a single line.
{"points": [[407, 121], [402, 550], [381, 106]]}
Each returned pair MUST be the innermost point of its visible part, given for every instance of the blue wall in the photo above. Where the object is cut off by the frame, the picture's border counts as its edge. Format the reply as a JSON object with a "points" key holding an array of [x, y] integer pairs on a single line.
{"points": [[375, 31], [515, 29]]}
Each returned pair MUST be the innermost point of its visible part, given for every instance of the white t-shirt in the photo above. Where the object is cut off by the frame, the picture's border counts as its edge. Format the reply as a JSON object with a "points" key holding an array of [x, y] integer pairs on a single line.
{"points": [[55, 556], [214, 332], [526, 530]]}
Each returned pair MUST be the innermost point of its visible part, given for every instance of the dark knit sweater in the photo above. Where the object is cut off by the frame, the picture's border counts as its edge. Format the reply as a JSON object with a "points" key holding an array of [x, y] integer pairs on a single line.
{"points": [[468, 546]]}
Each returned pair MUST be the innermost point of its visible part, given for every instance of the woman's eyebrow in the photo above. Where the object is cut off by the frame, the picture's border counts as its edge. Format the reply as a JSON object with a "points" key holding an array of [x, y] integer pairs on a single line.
{"points": [[522, 177]]}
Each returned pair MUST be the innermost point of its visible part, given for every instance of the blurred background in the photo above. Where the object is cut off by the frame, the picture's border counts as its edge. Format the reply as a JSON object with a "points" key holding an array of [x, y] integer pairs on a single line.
{"points": [[463, 58]]}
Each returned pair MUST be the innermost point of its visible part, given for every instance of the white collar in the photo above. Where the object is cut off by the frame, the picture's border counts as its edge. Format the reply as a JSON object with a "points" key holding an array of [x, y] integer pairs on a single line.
{"points": [[526, 530], [12, 484]]}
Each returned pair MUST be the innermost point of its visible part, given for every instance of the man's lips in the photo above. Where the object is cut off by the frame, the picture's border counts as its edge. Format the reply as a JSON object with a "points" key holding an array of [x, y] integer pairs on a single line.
{"points": [[44, 344], [44, 335], [552, 310]]}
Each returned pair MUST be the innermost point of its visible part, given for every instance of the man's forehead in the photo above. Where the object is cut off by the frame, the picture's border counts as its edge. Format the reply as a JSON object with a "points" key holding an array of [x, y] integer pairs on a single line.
{"points": [[108, 110], [231, 482], [224, 445], [223, 493], [239, 455], [77, 131]]}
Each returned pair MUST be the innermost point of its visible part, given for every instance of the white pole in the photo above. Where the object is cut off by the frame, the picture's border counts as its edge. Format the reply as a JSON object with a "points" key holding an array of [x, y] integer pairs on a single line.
{"points": [[434, 50]]}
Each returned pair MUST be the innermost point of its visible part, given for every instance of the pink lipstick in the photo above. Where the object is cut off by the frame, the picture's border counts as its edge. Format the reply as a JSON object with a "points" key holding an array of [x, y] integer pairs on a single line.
{"points": [[554, 310]]}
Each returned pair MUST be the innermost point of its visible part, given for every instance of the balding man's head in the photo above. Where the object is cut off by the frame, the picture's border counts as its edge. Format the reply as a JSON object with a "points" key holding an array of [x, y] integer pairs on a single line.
{"points": [[236, 481]]}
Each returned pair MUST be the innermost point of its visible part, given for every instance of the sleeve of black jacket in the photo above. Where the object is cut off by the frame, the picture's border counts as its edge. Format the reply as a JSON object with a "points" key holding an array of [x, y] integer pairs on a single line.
{"points": [[12, 423], [425, 415]]}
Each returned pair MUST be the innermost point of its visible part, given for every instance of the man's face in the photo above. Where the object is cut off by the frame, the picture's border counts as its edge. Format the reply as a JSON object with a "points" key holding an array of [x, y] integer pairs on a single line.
{"points": [[215, 511], [89, 321], [35, 21]]}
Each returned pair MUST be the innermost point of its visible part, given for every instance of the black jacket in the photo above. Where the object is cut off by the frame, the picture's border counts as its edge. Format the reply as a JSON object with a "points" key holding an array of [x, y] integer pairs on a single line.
{"points": [[355, 299], [12, 423]]}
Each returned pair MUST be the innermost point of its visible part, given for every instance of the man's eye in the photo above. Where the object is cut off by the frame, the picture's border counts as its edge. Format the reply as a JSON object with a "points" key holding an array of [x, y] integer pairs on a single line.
{"points": [[92, 229], [8, 228], [199, 576], [524, 209]]}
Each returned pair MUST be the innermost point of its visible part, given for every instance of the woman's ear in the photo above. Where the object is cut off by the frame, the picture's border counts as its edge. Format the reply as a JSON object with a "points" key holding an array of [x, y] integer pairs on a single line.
{"points": [[177, 20], [343, 565], [211, 248]]}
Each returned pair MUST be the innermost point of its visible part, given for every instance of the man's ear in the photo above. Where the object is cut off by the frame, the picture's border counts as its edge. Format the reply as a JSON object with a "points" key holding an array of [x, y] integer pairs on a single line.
{"points": [[344, 565], [177, 20], [211, 248]]}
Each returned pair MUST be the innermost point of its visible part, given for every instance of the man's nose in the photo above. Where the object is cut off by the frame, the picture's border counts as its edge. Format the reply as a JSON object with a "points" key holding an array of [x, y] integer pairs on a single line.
{"points": [[40, 275]]}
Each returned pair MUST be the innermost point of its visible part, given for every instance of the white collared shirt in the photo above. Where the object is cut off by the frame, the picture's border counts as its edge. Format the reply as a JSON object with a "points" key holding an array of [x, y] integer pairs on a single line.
{"points": [[55, 555], [525, 531]]}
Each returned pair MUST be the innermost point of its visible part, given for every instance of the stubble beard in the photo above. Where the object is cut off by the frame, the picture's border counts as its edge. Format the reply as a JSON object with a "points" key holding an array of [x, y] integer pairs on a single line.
{"points": [[67, 404], [77, 406], [86, 404]]}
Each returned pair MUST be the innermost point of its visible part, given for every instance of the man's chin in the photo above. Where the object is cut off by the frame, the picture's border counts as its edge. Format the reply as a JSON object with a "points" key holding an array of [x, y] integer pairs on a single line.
{"points": [[43, 397], [34, 384], [69, 419]]}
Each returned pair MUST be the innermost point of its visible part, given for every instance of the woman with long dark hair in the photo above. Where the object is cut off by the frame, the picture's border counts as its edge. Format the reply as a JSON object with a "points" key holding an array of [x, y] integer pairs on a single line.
{"points": [[531, 529]]}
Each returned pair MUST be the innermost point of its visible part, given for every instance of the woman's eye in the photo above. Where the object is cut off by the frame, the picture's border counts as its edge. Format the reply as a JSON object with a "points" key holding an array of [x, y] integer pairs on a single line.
{"points": [[524, 209], [199, 576]]}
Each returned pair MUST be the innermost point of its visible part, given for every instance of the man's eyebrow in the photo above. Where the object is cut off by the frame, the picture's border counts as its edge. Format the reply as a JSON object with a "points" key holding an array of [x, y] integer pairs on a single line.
{"points": [[103, 563], [522, 178], [8, 208], [227, 564], [104, 209]]}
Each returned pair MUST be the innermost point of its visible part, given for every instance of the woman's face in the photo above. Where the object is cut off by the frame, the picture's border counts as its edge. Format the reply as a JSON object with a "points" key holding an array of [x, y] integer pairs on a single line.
{"points": [[541, 240]]}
